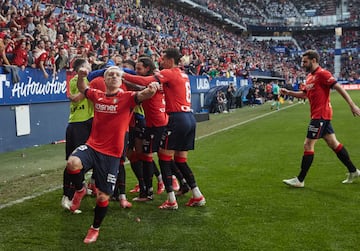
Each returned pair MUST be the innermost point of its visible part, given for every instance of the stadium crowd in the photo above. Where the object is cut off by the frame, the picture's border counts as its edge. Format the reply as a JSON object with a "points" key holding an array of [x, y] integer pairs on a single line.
{"points": [[256, 10], [51, 34]]}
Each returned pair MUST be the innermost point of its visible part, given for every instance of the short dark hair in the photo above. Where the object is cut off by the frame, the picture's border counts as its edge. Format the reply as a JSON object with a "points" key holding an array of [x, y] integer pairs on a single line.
{"points": [[311, 54], [130, 63], [173, 53], [78, 63]]}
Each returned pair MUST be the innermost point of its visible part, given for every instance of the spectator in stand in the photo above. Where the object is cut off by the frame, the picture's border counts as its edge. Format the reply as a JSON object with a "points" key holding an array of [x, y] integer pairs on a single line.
{"points": [[82, 51], [180, 28], [52, 33], [6, 7], [73, 53], [40, 55], [9, 47], [3, 21], [117, 60], [94, 62], [30, 26], [213, 72], [20, 54], [13, 20], [50, 62], [31, 60], [61, 59], [42, 28], [86, 43]]}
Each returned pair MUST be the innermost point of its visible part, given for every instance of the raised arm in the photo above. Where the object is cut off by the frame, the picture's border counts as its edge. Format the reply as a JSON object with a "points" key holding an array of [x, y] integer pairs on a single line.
{"points": [[140, 80], [82, 74], [148, 92]]}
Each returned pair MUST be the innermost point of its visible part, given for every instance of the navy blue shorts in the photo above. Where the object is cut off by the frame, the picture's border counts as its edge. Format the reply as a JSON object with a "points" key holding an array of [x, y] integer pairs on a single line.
{"points": [[318, 128], [77, 134], [179, 134], [151, 139], [139, 127], [105, 167], [136, 132]]}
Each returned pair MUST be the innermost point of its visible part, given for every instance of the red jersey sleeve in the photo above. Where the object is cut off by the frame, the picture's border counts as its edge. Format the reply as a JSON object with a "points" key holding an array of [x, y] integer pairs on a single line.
{"points": [[42, 57], [140, 80]]}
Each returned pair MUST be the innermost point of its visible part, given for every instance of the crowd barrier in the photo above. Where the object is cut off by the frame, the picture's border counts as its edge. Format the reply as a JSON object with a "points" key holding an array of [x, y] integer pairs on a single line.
{"points": [[35, 110], [33, 88]]}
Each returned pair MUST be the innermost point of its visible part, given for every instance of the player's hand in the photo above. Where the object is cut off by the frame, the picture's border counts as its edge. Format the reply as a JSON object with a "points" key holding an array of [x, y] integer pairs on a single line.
{"points": [[154, 86], [83, 72], [355, 110], [284, 91], [158, 74]]}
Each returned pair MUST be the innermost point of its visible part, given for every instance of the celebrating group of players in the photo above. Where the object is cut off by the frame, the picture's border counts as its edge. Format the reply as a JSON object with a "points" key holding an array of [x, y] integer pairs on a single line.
{"points": [[169, 130]]}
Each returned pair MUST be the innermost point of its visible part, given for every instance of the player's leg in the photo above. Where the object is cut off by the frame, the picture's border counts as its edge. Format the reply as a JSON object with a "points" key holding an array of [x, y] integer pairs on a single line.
{"points": [[120, 184], [185, 141], [105, 174], [157, 174], [197, 198], [343, 156], [165, 158], [316, 130], [148, 171], [80, 158], [184, 187]]}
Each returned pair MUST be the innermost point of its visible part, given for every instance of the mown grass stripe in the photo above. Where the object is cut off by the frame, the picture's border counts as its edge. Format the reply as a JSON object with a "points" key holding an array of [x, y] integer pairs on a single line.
{"points": [[35, 195]]}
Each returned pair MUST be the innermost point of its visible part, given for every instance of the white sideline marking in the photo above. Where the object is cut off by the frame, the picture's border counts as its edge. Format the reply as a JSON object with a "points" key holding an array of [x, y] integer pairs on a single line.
{"points": [[11, 203], [35, 195], [244, 122]]}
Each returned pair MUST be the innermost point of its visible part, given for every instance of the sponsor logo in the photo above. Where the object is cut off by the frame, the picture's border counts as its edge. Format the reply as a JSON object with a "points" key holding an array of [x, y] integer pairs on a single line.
{"points": [[313, 129], [309, 86], [82, 148], [202, 84], [111, 178], [106, 108], [7, 84]]}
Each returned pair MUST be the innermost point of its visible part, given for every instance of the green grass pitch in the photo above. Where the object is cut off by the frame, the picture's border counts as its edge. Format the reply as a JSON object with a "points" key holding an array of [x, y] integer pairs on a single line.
{"points": [[239, 162]]}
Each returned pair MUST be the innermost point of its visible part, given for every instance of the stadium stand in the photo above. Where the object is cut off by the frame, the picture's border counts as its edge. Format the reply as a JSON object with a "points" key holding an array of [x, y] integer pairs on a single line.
{"points": [[131, 28]]}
